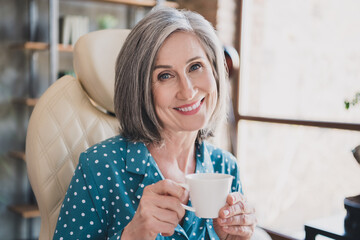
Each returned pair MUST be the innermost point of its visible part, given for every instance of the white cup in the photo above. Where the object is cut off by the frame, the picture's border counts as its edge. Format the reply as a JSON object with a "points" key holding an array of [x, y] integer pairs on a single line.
{"points": [[208, 193]]}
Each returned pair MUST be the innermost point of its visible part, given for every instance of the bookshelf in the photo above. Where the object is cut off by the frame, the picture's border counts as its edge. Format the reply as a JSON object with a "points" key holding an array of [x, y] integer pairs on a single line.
{"points": [[28, 209], [68, 48], [42, 46]]}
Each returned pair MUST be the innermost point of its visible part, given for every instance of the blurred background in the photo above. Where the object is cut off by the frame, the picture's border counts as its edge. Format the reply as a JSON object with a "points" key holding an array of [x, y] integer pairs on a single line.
{"points": [[294, 65]]}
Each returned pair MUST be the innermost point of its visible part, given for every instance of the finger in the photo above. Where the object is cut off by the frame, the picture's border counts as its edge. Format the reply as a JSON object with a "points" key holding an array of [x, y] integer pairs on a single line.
{"points": [[243, 231], [165, 228], [167, 187], [170, 203], [236, 209], [185, 194], [242, 219], [154, 220], [235, 197], [165, 216], [151, 200]]}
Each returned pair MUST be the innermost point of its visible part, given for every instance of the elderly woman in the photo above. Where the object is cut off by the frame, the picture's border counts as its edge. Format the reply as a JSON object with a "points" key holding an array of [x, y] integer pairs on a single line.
{"points": [[170, 93]]}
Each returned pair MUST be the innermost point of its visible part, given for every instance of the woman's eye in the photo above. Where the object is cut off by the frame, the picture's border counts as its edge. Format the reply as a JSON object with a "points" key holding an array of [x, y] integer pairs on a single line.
{"points": [[164, 76], [195, 67]]}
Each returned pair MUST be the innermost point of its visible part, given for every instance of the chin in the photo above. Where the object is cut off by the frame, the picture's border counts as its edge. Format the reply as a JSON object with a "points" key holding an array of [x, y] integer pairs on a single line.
{"points": [[191, 127]]}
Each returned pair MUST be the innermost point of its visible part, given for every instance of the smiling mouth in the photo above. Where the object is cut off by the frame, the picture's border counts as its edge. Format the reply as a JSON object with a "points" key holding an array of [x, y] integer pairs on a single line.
{"points": [[191, 107]]}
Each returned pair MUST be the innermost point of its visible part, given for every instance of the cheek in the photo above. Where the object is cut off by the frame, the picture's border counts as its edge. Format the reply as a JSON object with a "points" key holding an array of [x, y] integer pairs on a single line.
{"points": [[211, 87], [213, 99], [213, 91], [161, 97], [211, 82]]}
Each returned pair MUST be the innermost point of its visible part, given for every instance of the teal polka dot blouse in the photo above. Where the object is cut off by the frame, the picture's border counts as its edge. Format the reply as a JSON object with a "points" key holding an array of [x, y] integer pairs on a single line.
{"points": [[108, 183]]}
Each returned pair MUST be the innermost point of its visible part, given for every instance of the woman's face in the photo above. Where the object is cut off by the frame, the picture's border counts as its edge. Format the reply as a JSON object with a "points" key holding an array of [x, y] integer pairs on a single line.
{"points": [[183, 84]]}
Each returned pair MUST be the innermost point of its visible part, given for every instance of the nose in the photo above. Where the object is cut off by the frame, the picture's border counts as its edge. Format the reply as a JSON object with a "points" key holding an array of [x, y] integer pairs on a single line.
{"points": [[187, 89]]}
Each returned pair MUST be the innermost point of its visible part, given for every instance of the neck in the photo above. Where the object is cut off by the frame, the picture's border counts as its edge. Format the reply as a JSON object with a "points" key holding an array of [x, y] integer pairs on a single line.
{"points": [[177, 151]]}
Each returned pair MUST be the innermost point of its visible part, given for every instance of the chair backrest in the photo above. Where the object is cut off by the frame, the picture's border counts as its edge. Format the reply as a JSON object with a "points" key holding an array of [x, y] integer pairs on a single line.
{"points": [[70, 116]]}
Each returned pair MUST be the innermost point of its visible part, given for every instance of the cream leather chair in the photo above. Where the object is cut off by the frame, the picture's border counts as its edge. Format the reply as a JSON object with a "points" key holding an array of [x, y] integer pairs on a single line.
{"points": [[69, 117], [72, 115]]}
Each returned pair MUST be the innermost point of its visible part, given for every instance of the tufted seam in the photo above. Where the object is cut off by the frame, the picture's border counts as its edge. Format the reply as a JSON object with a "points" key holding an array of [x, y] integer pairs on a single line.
{"points": [[96, 124], [53, 176], [88, 120], [59, 133], [64, 160]]}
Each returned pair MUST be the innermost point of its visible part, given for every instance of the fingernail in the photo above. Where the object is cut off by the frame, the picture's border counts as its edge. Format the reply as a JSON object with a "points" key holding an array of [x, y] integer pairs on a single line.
{"points": [[226, 212]]}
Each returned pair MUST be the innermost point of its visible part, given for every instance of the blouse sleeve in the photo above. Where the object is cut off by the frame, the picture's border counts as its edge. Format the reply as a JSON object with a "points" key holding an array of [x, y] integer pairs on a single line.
{"points": [[82, 215], [234, 171]]}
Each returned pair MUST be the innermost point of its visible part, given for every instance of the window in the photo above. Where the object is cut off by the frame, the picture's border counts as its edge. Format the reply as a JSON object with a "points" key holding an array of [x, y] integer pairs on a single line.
{"points": [[299, 62]]}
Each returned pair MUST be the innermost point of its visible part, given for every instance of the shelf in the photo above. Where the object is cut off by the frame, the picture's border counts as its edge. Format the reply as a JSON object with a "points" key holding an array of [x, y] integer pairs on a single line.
{"points": [[26, 210], [41, 46], [18, 155], [31, 46], [31, 102], [138, 3], [65, 48]]}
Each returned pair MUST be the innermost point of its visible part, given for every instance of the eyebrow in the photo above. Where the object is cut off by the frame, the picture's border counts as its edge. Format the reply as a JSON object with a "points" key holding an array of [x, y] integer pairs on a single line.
{"points": [[169, 66], [192, 59]]}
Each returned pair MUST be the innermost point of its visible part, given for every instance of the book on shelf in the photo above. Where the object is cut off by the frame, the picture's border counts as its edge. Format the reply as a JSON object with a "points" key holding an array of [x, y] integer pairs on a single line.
{"points": [[72, 27]]}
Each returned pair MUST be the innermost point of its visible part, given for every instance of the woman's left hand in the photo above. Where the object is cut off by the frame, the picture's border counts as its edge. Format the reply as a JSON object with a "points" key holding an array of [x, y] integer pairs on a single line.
{"points": [[236, 220]]}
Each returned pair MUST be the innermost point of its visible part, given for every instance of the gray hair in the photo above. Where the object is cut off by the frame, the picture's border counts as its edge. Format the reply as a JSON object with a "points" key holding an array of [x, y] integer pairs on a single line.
{"points": [[133, 100]]}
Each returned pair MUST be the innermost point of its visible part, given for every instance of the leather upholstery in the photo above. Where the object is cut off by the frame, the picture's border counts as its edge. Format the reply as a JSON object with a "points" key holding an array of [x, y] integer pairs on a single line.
{"points": [[95, 66], [65, 122]]}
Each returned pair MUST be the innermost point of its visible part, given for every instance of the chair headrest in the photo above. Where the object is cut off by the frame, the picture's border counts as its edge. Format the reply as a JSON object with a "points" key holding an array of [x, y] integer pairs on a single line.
{"points": [[94, 63]]}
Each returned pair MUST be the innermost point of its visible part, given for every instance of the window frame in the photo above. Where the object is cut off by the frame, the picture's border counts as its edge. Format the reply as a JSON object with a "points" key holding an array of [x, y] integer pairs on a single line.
{"points": [[236, 96]]}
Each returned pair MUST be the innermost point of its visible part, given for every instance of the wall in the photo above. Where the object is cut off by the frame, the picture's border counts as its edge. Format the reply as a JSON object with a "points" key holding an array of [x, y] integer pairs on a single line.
{"points": [[206, 8], [221, 14]]}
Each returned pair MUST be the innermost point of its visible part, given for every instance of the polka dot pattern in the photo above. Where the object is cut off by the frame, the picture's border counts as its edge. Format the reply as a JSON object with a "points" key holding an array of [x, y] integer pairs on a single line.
{"points": [[108, 183]]}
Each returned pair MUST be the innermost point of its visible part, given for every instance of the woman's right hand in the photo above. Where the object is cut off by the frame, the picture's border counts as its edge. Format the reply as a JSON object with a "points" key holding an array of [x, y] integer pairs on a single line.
{"points": [[159, 211]]}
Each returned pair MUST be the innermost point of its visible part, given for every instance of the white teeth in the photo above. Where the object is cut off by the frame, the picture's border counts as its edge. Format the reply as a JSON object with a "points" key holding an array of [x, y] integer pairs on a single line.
{"points": [[188, 109]]}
